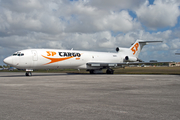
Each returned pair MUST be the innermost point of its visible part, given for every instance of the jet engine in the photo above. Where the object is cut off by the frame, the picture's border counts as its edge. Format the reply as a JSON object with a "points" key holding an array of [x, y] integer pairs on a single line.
{"points": [[130, 59]]}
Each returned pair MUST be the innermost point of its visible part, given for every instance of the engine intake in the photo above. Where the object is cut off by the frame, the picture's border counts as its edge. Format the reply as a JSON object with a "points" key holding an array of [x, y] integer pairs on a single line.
{"points": [[117, 49]]}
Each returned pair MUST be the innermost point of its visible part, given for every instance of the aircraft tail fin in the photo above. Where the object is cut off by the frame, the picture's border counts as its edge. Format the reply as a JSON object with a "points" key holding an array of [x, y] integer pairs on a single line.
{"points": [[138, 45], [131, 54]]}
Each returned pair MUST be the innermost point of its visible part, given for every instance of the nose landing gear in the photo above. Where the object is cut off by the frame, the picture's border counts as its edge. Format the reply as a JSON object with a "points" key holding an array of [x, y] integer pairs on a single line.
{"points": [[28, 74]]}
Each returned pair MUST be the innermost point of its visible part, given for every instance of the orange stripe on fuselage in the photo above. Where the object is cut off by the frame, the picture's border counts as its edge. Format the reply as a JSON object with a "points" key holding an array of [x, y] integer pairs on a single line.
{"points": [[53, 60]]}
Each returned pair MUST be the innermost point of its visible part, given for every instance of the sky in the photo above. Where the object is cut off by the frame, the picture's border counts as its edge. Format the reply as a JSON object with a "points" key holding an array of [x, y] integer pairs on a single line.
{"points": [[95, 25]]}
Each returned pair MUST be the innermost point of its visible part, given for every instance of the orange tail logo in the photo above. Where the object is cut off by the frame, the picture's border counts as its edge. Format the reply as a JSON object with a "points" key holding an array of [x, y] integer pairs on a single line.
{"points": [[134, 49]]}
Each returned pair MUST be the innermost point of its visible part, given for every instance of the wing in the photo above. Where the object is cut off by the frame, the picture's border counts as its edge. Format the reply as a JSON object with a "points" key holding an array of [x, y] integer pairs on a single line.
{"points": [[96, 64]]}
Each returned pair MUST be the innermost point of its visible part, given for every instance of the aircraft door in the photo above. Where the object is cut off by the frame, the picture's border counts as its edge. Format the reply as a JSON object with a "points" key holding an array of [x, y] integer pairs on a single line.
{"points": [[34, 55]]}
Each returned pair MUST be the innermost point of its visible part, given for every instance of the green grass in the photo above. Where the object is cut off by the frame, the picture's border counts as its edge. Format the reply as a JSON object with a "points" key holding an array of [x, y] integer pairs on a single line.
{"points": [[148, 70], [127, 70]]}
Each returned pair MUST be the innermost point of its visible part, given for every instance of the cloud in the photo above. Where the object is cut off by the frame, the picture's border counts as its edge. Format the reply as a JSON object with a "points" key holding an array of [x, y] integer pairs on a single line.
{"points": [[89, 25], [87, 19], [19, 18], [162, 13], [54, 17], [115, 4], [21, 6]]}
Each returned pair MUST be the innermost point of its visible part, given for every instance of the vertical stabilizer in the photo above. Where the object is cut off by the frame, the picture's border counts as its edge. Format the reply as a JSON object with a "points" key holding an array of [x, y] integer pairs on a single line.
{"points": [[138, 45]]}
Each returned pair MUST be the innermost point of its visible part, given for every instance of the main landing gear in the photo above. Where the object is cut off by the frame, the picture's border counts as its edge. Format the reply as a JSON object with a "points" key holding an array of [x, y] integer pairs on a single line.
{"points": [[108, 71], [96, 71], [91, 71]]}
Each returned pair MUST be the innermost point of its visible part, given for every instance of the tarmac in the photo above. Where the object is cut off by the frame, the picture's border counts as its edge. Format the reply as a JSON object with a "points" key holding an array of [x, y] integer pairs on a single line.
{"points": [[60, 96]]}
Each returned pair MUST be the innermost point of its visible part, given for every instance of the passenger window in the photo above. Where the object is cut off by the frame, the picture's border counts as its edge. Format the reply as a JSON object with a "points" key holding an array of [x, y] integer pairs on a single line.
{"points": [[19, 54], [22, 54]]}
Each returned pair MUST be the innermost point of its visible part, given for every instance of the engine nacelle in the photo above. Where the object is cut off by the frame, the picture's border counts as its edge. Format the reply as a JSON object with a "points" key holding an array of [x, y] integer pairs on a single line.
{"points": [[120, 49], [130, 59]]}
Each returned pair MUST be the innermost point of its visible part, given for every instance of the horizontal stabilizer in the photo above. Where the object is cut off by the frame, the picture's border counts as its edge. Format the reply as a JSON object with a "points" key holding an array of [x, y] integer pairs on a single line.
{"points": [[146, 42]]}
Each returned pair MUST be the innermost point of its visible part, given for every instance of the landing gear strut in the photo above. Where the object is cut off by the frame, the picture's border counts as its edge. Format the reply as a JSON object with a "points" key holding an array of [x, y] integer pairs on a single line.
{"points": [[109, 71], [28, 72]]}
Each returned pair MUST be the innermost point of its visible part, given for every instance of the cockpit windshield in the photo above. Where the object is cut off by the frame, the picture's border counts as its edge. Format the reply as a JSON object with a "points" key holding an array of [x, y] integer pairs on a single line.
{"points": [[18, 54]]}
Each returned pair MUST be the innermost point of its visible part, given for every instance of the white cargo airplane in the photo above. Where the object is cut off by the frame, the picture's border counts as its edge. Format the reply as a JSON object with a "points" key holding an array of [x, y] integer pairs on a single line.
{"points": [[91, 61]]}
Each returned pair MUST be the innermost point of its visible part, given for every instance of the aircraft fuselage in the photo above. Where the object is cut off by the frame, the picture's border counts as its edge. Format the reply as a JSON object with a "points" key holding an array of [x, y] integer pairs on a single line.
{"points": [[57, 59]]}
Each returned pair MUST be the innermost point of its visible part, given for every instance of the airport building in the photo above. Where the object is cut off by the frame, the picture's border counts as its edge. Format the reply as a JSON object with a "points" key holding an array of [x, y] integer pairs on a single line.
{"points": [[174, 64]]}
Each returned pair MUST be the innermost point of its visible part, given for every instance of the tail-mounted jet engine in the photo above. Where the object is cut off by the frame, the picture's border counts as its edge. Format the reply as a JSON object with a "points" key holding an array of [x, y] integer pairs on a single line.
{"points": [[130, 59]]}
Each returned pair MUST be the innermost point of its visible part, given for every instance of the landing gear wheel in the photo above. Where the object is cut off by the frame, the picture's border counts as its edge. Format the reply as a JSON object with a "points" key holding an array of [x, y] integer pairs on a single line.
{"points": [[109, 71], [91, 71], [28, 74]]}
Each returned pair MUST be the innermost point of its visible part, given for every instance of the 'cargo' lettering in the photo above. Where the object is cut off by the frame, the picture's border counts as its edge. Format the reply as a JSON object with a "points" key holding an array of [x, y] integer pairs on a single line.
{"points": [[69, 54]]}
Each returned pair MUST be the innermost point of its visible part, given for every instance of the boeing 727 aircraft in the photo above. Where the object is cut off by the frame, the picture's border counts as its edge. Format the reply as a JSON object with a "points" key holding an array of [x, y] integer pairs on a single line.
{"points": [[31, 59]]}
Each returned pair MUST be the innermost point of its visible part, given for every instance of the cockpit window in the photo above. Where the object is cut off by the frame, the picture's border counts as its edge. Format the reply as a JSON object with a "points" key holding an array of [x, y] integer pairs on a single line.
{"points": [[18, 54]]}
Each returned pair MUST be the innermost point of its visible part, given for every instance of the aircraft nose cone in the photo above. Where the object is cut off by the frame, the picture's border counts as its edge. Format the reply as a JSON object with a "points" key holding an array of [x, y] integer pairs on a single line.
{"points": [[8, 60]]}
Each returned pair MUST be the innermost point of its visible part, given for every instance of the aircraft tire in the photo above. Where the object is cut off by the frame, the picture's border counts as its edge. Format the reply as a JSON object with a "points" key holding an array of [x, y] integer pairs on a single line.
{"points": [[28, 74], [91, 71], [109, 71]]}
